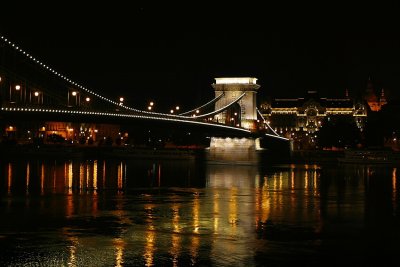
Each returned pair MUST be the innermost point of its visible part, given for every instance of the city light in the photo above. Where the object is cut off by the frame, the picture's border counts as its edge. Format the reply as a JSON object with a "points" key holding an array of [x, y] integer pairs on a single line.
{"points": [[146, 114], [30, 57], [177, 119], [234, 80], [17, 87]]}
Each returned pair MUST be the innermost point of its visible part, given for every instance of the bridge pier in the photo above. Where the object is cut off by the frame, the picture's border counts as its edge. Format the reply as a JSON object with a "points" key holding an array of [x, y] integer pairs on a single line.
{"points": [[226, 150]]}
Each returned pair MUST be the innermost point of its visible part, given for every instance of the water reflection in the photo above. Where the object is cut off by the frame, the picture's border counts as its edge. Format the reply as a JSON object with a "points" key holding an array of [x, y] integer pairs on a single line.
{"points": [[119, 244], [394, 189], [157, 213]]}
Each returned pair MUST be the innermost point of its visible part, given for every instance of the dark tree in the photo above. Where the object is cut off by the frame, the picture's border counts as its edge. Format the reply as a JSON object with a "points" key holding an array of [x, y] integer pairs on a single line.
{"points": [[339, 132]]}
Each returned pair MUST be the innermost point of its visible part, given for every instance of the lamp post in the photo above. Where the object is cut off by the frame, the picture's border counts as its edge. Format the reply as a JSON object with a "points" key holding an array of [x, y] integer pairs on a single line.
{"points": [[38, 97], [18, 90], [150, 106], [75, 94], [87, 101]]}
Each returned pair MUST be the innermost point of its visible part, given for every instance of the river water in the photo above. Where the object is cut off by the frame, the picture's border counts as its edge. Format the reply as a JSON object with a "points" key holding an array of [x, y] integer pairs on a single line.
{"points": [[190, 213]]}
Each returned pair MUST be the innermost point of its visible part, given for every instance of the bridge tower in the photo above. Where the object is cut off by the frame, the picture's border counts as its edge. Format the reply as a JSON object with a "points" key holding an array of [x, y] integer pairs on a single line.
{"points": [[244, 112]]}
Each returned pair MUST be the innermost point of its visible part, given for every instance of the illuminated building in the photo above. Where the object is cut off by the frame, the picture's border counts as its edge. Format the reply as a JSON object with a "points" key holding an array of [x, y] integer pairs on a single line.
{"points": [[287, 116], [375, 103]]}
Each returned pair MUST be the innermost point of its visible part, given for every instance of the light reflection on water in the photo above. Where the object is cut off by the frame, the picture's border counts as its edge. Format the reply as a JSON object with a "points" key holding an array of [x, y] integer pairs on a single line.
{"points": [[186, 213]]}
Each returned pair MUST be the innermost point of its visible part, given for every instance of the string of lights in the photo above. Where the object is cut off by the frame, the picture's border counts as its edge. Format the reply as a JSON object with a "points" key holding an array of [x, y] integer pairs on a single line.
{"points": [[182, 117], [91, 92], [203, 106], [122, 115], [269, 127], [223, 108]]}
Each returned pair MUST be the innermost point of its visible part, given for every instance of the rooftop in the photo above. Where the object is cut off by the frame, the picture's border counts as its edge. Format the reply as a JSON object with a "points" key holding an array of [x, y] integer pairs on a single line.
{"points": [[236, 80]]}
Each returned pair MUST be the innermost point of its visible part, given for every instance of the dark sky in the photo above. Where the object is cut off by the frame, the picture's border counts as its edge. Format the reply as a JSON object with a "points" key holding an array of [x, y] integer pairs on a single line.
{"points": [[171, 54]]}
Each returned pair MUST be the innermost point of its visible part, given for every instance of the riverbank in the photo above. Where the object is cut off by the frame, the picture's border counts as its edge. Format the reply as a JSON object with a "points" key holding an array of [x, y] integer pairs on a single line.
{"points": [[316, 156], [53, 151], [350, 156], [62, 151]]}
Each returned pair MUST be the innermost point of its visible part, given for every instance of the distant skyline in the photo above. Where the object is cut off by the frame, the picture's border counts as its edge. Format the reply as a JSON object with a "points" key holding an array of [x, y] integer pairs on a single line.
{"points": [[172, 55]]}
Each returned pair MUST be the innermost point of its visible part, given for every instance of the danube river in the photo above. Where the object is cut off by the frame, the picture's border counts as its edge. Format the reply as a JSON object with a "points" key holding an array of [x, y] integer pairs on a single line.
{"points": [[82, 212]]}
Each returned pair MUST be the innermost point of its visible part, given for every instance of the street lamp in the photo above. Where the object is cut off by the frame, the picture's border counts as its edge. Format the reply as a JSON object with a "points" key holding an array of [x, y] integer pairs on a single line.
{"points": [[76, 95], [172, 111], [87, 99], [39, 96], [121, 101], [151, 105], [18, 89]]}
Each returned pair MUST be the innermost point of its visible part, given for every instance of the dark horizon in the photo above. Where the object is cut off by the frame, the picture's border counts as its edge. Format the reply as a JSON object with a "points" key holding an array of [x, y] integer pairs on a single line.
{"points": [[173, 55]]}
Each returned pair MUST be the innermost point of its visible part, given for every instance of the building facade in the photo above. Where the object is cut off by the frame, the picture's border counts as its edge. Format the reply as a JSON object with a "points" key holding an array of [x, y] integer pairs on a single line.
{"points": [[302, 118]]}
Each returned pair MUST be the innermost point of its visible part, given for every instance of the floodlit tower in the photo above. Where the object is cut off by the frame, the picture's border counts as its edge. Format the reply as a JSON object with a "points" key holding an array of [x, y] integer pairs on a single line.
{"points": [[244, 112]]}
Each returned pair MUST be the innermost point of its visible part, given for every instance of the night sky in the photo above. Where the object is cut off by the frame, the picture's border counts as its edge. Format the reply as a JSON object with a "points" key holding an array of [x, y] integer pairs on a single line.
{"points": [[171, 54]]}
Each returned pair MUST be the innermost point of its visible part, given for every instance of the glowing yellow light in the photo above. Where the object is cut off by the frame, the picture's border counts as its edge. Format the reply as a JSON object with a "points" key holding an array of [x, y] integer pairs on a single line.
{"points": [[121, 99], [17, 87], [172, 111], [9, 178], [197, 111], [119, 244], [177, 107], [151, 103], [120, 176], [149, 107], [87, 99], [36, 93], [242, 80], [74, 93]]}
